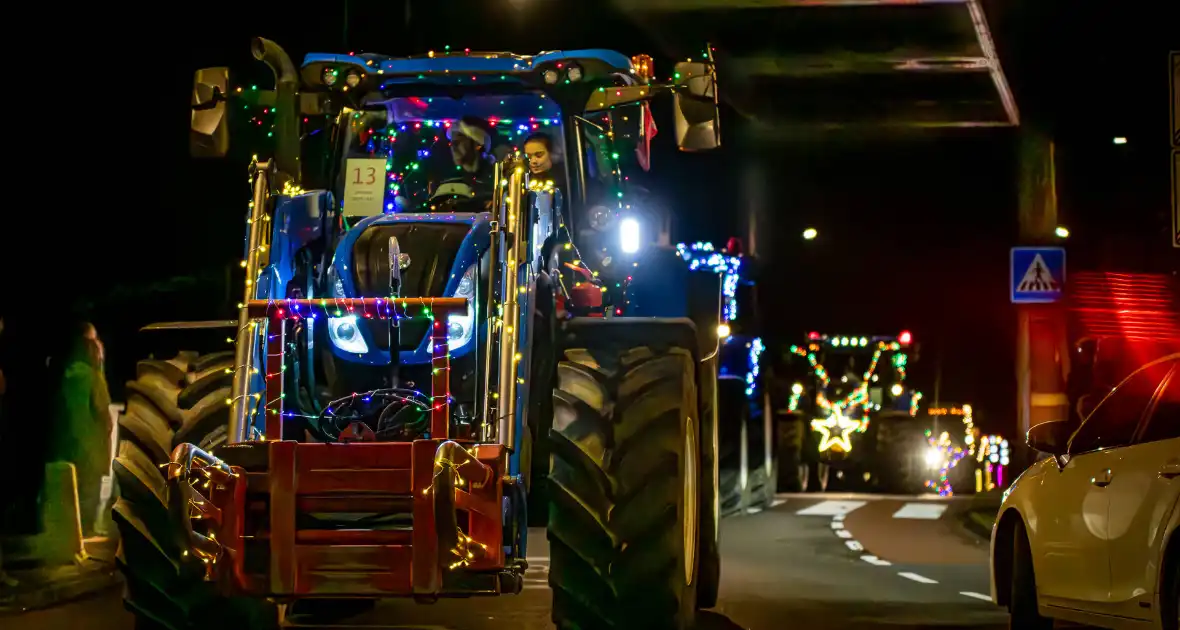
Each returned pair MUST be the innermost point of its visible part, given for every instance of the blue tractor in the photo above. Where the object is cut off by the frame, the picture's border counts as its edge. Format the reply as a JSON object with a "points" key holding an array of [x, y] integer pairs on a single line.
{"points": [[447, 332]]}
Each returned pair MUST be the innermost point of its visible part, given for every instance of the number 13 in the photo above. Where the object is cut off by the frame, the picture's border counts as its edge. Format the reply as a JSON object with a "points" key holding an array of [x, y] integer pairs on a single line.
{"points": [[371, 178]]}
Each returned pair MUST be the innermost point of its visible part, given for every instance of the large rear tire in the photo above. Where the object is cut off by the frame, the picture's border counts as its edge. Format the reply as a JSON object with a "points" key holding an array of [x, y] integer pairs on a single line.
{"points": [[169, 403], [623, 521]]}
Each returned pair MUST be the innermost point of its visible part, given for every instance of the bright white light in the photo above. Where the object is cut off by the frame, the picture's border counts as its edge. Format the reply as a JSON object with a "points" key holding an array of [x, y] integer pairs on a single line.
{"points": [[629, 236], [723, 331], [933, 458], [897, 389], [1120, 140], [344, 333], [810, 233], [1061, 232], [797, 389]]}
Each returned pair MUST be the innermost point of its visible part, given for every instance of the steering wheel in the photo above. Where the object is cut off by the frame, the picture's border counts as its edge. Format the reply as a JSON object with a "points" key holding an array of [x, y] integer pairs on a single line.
{"points": [[457, 196]]}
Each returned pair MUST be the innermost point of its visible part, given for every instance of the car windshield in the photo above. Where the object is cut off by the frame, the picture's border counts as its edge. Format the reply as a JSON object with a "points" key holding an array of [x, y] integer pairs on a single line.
{"points": [[403, 155]]}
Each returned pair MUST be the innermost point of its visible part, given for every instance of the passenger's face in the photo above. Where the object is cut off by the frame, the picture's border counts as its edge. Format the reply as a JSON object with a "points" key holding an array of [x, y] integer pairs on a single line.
{"points": [[540, 160]]}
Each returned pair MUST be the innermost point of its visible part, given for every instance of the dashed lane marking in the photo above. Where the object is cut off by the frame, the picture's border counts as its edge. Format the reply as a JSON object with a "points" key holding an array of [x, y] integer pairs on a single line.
{"points": [[831, 508], [854, 545], [979, 596], [921, 579], [875, 561], [921, 511]]}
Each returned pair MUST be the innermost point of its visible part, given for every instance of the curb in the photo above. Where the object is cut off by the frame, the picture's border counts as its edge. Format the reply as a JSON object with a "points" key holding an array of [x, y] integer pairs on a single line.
{"points": [[60, 592]]}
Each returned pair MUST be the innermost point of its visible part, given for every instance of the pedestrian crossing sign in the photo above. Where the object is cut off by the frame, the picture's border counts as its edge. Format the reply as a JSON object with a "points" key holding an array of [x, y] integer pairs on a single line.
{"points": [[1038, 274]]}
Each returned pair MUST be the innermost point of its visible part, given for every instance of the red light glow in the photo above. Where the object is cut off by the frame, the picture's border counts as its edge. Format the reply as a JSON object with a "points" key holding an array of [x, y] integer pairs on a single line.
{"points": [[905, 337]]}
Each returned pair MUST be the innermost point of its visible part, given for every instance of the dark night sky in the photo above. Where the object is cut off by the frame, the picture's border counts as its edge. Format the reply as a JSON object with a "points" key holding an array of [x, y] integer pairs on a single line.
{"points": [[914, 234]]}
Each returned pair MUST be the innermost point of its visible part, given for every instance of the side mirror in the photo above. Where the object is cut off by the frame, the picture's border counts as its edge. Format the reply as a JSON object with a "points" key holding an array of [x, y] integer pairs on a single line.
{"points": [[698, 120], [1050, 437], [209, 128]]}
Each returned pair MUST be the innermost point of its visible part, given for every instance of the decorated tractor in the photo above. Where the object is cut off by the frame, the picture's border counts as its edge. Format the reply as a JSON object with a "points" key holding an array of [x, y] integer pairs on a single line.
{"points": [[848, 405], [459, 317], [748, 443]]}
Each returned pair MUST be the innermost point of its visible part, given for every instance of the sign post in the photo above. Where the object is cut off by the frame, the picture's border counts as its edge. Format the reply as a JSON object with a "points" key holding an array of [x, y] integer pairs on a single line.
{"points": [[1174, 57], [1176, 198]]}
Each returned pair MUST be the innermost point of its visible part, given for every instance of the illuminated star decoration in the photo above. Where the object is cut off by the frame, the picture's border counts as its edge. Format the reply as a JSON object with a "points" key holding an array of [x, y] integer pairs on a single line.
{"points": [[835, 429], [859, 396]]}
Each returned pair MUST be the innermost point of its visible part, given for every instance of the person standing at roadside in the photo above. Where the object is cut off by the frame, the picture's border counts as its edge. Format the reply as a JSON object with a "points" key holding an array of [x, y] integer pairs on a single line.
{"points": [[83, 432]]}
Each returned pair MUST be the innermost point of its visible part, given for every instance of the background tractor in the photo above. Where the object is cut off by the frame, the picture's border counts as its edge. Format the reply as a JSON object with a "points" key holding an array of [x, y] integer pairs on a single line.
{"points": [[848, 410], [422, 365]]}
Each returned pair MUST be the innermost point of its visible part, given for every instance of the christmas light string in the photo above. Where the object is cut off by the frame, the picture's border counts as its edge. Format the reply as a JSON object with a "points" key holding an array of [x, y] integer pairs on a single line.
{"points": [[990, 450], [702, 256], [837, 421]]}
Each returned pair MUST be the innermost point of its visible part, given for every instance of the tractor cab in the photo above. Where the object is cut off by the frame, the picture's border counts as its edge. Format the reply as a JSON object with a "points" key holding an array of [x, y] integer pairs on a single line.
{"points": [[411, 161]]}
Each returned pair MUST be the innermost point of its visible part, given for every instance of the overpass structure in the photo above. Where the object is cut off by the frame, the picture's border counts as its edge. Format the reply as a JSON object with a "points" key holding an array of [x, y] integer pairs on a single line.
{"points": [[797, 66]]}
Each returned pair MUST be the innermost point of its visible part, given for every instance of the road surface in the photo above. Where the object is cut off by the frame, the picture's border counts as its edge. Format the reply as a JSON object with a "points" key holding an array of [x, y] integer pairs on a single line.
{"points": [[814, 562]]}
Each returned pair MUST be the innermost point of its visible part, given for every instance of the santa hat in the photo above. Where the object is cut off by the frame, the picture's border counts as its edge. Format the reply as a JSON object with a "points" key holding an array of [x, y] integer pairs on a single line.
{"points": [[473, 131]]}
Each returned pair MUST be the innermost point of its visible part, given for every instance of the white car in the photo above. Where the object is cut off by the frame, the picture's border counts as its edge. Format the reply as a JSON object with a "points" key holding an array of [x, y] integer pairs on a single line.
{"points": [[1090, 535]]}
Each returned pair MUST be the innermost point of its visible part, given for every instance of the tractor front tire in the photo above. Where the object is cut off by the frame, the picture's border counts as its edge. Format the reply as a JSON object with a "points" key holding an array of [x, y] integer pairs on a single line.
{"points": [[624, 474], [180, 400]]}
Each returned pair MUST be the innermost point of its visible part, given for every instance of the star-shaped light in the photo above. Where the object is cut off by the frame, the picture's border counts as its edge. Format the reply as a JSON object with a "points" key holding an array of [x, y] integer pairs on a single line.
{"points": [[835, 429]]}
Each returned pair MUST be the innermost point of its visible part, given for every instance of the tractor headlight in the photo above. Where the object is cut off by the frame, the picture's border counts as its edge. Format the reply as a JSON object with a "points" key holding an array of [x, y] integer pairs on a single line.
{"points": [[629, 236], [330, 76], [461, 328], [346, 335]]}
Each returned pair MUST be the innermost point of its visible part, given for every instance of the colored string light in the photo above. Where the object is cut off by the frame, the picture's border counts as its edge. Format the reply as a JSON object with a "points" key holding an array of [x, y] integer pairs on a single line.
{"points": [[837, 412]]}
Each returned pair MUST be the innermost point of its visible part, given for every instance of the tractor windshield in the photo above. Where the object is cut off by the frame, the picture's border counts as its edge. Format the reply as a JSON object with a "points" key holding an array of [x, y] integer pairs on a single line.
{"points": [[434, 154]]}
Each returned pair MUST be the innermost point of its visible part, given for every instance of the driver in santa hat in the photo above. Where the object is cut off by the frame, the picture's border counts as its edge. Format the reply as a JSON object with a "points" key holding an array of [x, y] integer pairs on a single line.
{"points": [[471, 140]]}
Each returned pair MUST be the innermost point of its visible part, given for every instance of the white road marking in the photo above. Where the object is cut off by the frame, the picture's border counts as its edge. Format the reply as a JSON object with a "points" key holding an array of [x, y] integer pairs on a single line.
{"points": [[875, 561], [854, 545], [839, 518], [831, 508], [979, 596], [921, 579], [777, 502], [843, 533], [837, 523], [538, 560], [753, 510], [921, 511]]}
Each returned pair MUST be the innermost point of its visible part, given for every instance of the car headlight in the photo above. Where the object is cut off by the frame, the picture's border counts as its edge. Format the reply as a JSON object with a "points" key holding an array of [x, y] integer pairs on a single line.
{"points": [[629, 236], [346, 335], [461, 328]]}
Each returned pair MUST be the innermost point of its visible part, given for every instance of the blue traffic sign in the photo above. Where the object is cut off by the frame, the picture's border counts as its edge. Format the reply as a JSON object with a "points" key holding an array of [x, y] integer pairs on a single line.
{"points": [[1038, 274]]}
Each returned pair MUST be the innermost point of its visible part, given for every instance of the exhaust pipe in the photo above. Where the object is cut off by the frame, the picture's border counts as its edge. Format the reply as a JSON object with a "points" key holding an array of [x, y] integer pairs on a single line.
{"points": [[287, 109], [276, 58]]}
